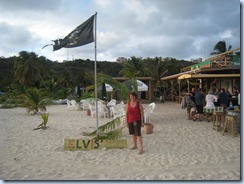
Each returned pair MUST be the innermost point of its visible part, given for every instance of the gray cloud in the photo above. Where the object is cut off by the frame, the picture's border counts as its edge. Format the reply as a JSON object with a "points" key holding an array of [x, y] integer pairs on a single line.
{"points": [[177, 28], [15, 37], [30, 5]]}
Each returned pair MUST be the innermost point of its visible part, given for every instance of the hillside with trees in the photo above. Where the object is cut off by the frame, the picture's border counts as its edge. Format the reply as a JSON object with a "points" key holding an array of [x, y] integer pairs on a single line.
{"points": [[59, 80]]}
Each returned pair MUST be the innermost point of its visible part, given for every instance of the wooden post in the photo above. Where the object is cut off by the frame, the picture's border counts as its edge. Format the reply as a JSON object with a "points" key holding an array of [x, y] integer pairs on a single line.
{"points": [[179, 91], [172, 89], [188, 83]]}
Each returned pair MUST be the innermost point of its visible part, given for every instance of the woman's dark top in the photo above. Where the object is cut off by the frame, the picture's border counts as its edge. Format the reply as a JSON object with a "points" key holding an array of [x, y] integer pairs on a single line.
{"points": [[199, 98], [223, 98]]}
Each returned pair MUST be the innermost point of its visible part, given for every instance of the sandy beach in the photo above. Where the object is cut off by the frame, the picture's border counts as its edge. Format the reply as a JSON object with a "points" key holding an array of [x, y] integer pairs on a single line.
{"points": [[178, 149]]}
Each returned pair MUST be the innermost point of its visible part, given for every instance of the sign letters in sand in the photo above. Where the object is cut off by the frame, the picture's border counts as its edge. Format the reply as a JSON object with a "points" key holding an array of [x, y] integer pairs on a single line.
{"points": [[91, 144]]}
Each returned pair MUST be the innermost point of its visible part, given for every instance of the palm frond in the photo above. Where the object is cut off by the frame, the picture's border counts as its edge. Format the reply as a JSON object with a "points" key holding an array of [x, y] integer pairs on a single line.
{"points": [[110, 130], [115, 84], [34, 100]]}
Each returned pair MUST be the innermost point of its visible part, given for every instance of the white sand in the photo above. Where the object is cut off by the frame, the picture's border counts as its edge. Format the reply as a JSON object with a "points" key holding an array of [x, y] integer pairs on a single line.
{"points": [[179, 149]]}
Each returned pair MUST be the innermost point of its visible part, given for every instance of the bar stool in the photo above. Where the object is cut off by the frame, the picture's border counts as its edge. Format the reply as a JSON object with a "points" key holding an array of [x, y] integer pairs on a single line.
{"points": [[218, 117], [208, 113], [230, 124]]}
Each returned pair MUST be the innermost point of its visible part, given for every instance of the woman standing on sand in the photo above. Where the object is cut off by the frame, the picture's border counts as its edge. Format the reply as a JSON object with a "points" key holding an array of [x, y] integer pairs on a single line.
{"points": [[135, 120]]}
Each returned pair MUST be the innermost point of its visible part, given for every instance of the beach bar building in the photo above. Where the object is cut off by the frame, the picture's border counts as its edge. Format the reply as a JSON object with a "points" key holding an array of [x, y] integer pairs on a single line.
{"points": [[219, 71]]}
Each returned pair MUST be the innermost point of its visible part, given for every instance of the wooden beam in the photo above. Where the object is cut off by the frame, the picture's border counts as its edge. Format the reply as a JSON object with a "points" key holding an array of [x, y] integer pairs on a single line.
{"points": [[200, 76], [224, 53]]}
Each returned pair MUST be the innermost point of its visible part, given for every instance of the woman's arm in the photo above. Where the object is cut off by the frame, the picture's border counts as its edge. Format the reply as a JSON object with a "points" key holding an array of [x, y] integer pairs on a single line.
{"points": [[126, 114], [142, 114]]}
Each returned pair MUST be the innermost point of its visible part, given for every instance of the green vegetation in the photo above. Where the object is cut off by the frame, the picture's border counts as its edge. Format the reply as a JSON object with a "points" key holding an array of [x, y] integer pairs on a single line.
{"points": [[110, 130], [28, 80], [43, 125], [11, 103], [34, 102], [56, 80], [220, 47]]}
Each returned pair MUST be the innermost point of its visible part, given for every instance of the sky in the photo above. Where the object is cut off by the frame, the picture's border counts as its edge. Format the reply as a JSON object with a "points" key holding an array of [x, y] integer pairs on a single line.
{"points": [[181, 29]]}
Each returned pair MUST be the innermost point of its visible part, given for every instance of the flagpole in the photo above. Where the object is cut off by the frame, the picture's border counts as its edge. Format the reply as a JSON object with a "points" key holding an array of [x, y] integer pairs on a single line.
{"points": [[95, 66]]}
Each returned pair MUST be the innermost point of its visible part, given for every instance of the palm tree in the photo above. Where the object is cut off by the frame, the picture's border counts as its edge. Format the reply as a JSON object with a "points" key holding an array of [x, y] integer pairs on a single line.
{"points": [[66, 80], [131, 83], [51, 87], [220, 47], [156, 69], [34, 101], [67, 83], [134, 66], [28, 70]]}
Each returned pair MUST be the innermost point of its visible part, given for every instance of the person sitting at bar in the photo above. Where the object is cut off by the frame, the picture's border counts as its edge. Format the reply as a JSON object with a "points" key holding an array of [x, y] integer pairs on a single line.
{"points": [[210, 99], [223, 98], [235, 91], [199, 105]]}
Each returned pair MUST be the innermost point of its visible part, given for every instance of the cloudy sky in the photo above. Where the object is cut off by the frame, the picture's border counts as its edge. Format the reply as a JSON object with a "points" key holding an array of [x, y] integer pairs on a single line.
{"points": [[182, 29]]}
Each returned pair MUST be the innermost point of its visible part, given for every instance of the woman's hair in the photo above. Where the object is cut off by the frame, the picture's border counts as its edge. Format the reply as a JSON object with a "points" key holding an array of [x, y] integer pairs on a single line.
{"points": [[133, 94], [210, 92]]}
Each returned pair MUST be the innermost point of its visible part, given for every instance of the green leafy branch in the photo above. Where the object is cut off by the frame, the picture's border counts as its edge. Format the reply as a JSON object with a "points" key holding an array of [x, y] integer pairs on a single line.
{"points": [[110, 130], [43, 125]]}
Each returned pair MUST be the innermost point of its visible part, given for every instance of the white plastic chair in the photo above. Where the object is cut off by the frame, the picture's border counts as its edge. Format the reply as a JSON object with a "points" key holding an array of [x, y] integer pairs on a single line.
{"points": [[115, 112], [148, 111], [102, 109], [92, 109], [84, 104], [111, 103], [69, 106], [118, 110], [74, 105]]}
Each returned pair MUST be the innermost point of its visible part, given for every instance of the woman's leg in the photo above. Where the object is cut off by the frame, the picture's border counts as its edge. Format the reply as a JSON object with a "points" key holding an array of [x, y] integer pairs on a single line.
{"points": [[140, 144], [134, 138]]}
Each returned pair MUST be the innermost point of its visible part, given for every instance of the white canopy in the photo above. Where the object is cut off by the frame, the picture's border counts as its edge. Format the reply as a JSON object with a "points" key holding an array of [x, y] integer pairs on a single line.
{"points": [[142, 86]]}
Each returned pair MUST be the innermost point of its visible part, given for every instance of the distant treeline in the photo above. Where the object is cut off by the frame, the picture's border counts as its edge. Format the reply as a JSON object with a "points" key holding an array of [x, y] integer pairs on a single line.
{"points": [[30, 70]]}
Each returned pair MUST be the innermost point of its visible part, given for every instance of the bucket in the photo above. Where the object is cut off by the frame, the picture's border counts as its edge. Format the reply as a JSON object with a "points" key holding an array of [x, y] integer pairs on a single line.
{"points": [[148, 128], [88, 112]]}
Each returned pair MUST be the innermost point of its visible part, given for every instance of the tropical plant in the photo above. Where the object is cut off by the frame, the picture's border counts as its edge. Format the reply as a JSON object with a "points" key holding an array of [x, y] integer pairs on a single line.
{"points": [[115, 84], [156, 69], [43, 125], [34, 102], [220, 47], [51, 87], [110, 130], [66, 80], [28, 70], [133, 67]]}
